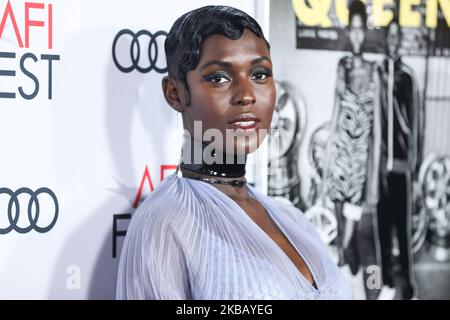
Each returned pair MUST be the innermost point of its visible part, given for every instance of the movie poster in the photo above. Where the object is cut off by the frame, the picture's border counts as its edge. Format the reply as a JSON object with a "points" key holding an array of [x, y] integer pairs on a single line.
{"points": [[362, 135]]}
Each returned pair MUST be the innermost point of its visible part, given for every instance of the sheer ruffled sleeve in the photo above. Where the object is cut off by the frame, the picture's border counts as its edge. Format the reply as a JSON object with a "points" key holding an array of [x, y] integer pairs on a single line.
{"points": [[152, 263]]}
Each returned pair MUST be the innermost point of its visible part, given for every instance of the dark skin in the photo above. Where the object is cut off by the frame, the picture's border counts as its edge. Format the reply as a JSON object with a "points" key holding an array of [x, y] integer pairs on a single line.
{"points": [[233, 77]]}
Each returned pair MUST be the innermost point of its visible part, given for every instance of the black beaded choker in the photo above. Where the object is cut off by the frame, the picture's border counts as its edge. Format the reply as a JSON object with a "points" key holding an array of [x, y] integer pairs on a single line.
{"points": [[216, 171]]}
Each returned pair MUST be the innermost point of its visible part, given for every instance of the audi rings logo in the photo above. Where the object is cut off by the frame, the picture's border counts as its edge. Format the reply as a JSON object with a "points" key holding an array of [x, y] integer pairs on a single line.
{"points": [[33, 210], [142, 53]]}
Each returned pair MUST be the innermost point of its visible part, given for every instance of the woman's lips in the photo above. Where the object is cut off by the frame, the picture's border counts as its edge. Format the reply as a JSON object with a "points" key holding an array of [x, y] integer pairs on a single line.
{"points": [[245, 121]]}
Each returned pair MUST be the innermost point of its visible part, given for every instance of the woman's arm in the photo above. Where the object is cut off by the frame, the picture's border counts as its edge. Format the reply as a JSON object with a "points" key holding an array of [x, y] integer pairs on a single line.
{"points": [[417, 116], [372, 193], [152, 263]]}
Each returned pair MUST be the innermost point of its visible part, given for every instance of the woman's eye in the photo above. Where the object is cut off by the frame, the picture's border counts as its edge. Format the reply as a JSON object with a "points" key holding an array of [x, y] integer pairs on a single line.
{"points": [[259, 76], [217, 79]]}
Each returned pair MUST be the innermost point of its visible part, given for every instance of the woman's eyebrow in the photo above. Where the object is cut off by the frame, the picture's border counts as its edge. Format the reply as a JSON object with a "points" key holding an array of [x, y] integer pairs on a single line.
{"points": [[261, 59], [222, 64], [225, 64]]}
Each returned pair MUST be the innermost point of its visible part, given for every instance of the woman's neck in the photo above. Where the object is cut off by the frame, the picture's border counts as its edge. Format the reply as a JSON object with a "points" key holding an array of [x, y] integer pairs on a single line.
{"points": [[234, 192], [221, 167], [358, 60]]}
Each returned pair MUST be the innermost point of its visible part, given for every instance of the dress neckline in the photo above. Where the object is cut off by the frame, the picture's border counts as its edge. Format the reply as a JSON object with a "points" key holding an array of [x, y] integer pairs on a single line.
{"points": [[316, 285]]}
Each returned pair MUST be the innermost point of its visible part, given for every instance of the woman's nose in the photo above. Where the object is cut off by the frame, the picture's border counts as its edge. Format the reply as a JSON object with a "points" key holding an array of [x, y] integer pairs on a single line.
{"points": [[244, 93]]}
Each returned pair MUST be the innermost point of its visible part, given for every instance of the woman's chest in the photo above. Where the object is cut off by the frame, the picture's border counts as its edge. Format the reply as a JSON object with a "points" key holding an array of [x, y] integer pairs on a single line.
{"points": [[220, 270]]}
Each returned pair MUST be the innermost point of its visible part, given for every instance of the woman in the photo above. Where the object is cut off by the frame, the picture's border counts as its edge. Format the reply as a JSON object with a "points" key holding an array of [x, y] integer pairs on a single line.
{"points": [[208, 234], [354, 147]]}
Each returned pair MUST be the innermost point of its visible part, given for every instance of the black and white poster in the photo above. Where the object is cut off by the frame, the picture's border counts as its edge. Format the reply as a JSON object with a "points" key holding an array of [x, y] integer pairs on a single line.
{"points": [[362, 114]]}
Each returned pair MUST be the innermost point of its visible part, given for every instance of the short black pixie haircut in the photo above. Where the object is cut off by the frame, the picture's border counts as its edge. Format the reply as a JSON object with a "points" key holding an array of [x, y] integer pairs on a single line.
{"points": [[185, 38], [357, 8]]}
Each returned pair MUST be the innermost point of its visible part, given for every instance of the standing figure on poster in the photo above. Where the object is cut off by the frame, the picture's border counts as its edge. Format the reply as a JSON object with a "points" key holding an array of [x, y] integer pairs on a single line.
{"points": [[351, 177], [402, 132]]}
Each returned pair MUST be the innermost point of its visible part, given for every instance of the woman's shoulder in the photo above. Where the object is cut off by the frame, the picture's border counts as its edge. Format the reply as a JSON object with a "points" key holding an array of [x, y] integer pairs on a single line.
{"points": [[165, 205], [295, 214], [371, 66], [345, 62]]}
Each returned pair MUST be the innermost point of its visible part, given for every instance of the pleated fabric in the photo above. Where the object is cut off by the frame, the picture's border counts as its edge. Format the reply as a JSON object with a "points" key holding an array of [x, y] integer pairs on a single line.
{"points": [[188, 240]]}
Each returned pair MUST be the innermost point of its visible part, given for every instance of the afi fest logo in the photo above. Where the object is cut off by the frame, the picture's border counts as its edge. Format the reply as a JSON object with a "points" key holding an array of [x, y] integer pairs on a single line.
{"points": [[23, 26], [118, 230]]}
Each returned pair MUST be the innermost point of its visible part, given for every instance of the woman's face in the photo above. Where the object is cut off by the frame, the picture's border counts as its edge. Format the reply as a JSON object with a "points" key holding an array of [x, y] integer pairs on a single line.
{"points": [[393, 40], [356, 33], [232, 89]]}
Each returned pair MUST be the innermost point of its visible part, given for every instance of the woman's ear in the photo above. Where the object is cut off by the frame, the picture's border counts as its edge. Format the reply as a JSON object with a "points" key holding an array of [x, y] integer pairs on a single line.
{"points": [[172, 93]]}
